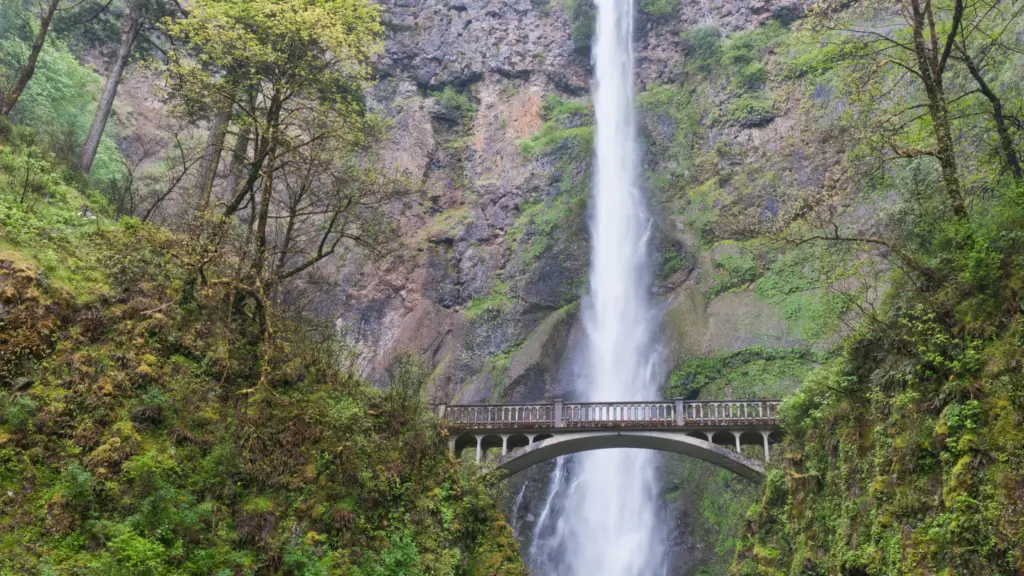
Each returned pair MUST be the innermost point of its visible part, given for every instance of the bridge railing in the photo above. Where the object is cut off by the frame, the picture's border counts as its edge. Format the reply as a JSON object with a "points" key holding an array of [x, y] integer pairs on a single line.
{"points": [[510, 415], [559, 414]]}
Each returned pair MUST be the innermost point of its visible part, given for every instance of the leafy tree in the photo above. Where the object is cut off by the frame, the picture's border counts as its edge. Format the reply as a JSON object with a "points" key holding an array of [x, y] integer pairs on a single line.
{"points": [[985, 34], [908, 50], [285, 80], [8, 100]]}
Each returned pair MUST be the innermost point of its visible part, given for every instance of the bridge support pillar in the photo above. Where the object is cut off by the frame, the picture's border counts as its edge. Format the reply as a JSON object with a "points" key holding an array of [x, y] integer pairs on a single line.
{"points": [[737, 436], [558, 413], [479, 448], [504, 444], [764, 435]]}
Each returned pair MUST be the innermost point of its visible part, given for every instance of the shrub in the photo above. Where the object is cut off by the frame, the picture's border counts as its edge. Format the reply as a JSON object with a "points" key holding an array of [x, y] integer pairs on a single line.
{"points": [[454, 105], [583, 16], [750, 110], [703, 47], [659, 9]]}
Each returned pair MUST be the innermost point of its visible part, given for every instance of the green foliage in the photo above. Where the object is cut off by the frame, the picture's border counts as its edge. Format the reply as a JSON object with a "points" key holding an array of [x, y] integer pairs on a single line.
{"points": [[747, 373], [733, 270], [399, 559], [567, 124], [672, 118], [659, 9], [812, 57], [454, 104], [317, 50], [139, 435], [34, 203], [703, 47], [550, 137], [799, 284], [743, 54], [719, 501], [583, 19], [54, 101], [904, 453], [750, 110], [535, 228], [496, 300]]}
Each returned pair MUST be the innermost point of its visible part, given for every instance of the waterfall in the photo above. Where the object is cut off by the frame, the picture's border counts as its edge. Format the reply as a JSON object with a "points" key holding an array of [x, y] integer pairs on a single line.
{"points": [[610, 523]]}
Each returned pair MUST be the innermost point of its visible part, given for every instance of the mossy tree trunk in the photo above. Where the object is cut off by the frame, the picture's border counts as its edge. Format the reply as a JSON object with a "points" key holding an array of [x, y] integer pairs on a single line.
{"points": [[211, 156], [931, 65]]}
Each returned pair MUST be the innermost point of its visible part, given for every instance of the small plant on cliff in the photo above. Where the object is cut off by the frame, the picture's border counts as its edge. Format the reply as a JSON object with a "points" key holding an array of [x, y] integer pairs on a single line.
{"points": [[660, 9], [454, 105]]}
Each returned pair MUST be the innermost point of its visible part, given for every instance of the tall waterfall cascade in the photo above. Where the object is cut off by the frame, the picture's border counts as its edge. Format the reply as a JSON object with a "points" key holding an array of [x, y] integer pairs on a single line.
{"points": [[609, 523]]}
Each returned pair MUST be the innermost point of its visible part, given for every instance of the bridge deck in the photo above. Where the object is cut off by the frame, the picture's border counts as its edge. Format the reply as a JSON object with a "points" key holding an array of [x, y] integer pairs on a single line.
{"points": [[675, 414]]}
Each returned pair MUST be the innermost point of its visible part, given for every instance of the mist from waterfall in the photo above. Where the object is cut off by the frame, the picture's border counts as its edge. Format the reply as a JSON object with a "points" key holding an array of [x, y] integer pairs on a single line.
{"points": [[608, 522]]}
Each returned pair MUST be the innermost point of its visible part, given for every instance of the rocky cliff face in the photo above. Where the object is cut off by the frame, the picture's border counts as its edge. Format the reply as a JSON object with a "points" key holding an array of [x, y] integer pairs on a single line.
{"points": [[503, 59], [489, 101]]}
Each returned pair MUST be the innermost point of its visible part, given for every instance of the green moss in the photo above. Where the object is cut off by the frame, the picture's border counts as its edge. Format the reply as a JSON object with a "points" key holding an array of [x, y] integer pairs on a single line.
{"points": [[583, 19], [748, 373], [798, 284], [673, 107], [720, 502], [446, 222], [551, 137], [497, 299], [703, 47], [702, 208], [534, 230], [568, 130], [42, 219], [733, 270], [742, 49], [750, 110]]}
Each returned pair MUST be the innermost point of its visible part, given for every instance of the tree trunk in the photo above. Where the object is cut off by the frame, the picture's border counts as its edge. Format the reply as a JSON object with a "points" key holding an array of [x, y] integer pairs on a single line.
{"points": [[211, 157], [264, 213], [263, 143], [7, 102], [129, 32], [287, 240], [238, 156], [1006, 145], [930, 72]]}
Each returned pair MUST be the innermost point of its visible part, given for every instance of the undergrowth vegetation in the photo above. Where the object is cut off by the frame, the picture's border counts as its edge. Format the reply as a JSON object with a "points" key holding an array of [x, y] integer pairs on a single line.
{"points": [[904, 454], [148, 429]]}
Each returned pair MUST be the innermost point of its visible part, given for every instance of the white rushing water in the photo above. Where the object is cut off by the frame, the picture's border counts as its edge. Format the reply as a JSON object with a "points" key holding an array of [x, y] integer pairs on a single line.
{"points": [[610, 523]]}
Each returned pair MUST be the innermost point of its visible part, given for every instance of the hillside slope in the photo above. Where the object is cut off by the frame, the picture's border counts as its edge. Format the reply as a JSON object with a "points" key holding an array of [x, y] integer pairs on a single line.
{"points": [[146, 429]]}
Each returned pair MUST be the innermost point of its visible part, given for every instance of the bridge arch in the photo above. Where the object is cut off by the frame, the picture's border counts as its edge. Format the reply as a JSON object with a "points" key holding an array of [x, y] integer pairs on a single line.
{"points": [[676, 442]]}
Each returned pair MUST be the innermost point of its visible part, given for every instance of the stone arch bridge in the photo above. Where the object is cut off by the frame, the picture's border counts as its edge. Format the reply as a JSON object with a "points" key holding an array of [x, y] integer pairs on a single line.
{"points": [[522, 435]]}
